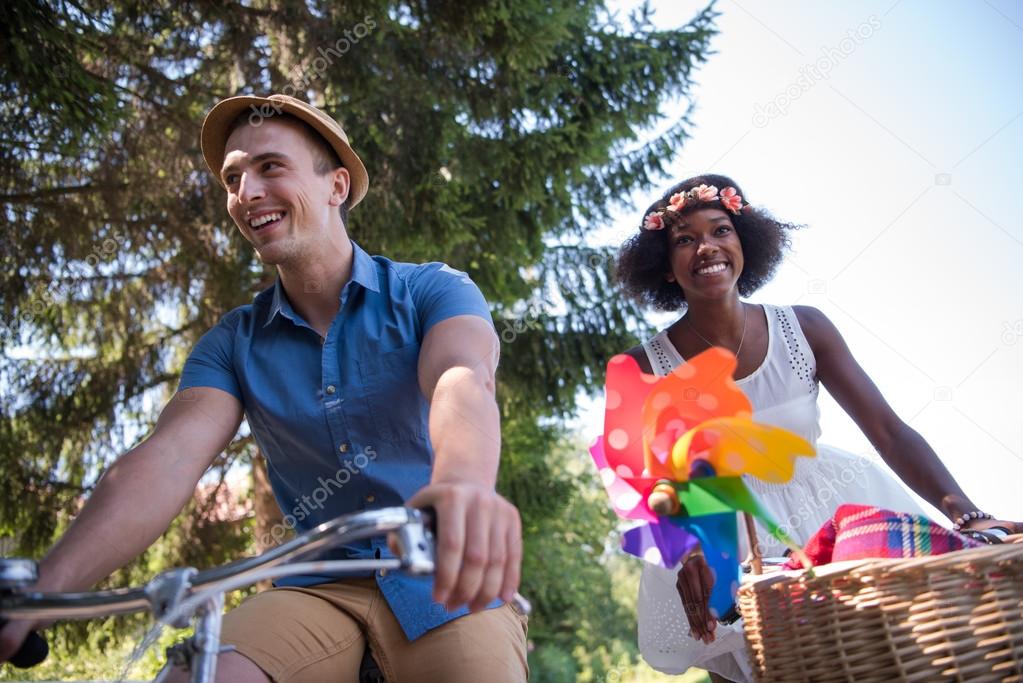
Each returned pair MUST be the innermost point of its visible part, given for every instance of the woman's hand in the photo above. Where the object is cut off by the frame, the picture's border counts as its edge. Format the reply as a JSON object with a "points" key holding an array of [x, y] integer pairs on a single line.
{"points": [[694, 583], [985, 524]]}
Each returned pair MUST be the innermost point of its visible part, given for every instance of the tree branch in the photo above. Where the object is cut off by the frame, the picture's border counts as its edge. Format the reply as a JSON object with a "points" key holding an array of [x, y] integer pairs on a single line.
{"points": [[87, 188]]}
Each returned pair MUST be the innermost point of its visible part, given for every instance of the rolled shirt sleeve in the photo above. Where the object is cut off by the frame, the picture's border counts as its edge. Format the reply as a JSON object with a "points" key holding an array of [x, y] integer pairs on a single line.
{"points": [[211, 363], [441, 292]]}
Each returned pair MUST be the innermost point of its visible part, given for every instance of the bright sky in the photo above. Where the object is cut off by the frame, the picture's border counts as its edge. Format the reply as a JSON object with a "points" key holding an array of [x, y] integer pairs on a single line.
{"points": [[905, 162]]}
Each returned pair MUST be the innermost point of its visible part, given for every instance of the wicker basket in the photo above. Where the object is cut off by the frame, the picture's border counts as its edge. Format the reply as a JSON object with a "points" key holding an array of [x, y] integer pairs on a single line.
{"points": [[953, 617]]}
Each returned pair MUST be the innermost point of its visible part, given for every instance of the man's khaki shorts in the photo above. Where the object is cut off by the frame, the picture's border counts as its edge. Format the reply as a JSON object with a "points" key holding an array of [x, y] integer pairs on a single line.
{"points": [[319, 633]]}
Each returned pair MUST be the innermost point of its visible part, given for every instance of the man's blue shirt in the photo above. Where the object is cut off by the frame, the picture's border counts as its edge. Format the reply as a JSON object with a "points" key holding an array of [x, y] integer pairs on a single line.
{"points": [[341, 420]]}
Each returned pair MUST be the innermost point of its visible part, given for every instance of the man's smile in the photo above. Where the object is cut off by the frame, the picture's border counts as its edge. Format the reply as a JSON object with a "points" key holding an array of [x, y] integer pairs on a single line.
{"points": [[266, 220]]}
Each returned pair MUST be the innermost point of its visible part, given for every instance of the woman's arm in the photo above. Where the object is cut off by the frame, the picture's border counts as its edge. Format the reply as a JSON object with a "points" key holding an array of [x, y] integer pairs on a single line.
{"points": [[902, 448]]}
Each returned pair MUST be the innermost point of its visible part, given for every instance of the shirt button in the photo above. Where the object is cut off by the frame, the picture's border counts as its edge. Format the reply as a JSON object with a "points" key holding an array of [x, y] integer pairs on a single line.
{"points": [[331, 389], [370, 498], [343, 448]]}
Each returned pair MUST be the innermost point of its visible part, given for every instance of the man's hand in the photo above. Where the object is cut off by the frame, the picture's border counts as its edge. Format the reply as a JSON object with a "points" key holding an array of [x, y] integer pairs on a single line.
{"points": [[13, 634], [694, 583], [479, 544]]}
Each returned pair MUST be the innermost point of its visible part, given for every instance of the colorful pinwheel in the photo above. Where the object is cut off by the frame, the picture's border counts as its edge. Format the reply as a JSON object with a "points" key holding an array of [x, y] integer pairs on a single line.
{"points": [[685, 439]]}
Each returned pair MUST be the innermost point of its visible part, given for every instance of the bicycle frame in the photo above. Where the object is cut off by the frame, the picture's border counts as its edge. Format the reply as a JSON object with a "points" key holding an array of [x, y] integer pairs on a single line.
{"points": [[177, 595]]}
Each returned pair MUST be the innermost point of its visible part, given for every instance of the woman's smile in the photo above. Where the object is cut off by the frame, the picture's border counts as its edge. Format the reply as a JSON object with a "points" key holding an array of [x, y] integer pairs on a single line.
{"points": [[712, 270]]}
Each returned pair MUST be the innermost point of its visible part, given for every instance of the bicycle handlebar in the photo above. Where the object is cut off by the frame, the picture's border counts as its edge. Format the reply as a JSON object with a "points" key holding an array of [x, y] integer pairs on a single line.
{"points": [[163, 594], [92, 604]]}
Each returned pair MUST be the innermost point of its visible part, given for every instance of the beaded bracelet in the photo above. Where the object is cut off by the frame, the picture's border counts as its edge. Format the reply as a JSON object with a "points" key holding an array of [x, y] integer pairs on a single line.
{"points": [[957, 525]]}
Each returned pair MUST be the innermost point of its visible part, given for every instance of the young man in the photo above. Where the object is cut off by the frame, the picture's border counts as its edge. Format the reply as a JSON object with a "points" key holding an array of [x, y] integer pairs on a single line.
{"points": [[366, 383]]}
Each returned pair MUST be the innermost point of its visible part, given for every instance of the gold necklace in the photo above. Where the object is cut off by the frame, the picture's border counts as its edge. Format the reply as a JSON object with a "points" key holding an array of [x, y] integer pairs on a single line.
{"points": [[742, 337]]}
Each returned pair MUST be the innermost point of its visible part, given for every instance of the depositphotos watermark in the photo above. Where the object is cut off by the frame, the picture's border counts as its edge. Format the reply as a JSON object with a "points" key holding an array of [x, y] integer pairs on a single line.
{"points": [[1012, 332], [512, 328], [831, 492], [315, 499], [46, 295], [819, 70], [303, 75]]}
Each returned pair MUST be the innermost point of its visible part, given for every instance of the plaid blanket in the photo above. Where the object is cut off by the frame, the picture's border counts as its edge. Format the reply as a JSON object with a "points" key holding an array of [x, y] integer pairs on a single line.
{"points": [[859, 532]]}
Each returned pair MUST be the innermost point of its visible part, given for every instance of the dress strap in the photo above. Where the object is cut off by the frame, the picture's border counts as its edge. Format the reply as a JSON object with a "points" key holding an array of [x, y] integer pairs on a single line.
{"points": [[796, 349], [662, 354]]}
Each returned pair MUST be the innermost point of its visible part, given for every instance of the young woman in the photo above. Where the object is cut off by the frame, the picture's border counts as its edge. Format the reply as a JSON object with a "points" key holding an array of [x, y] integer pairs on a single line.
{"points": [[699, 249]]}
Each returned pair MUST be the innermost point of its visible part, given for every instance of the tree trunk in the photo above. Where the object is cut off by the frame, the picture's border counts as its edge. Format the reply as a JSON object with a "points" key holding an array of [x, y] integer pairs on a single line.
{"points": [[269, 519]]}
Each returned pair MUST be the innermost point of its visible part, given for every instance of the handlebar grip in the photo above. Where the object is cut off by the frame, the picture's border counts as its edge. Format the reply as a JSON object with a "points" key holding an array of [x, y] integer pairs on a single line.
{"points": [[33, 651]]}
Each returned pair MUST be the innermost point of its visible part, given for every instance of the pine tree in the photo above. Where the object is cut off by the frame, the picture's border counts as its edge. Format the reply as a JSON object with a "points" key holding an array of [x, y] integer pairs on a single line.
{"points": [[497, 136]]}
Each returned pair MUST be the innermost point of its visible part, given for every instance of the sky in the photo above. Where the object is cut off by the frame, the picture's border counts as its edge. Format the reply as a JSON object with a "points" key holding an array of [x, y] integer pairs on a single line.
{"points": [[894, 131]]}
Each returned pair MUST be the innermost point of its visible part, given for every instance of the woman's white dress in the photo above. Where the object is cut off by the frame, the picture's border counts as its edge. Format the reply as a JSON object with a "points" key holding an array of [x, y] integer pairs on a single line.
{"points": [[783, 392]]}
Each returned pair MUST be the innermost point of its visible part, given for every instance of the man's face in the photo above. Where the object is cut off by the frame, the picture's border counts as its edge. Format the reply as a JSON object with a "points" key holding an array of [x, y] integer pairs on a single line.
{"points": [[274, 194]]}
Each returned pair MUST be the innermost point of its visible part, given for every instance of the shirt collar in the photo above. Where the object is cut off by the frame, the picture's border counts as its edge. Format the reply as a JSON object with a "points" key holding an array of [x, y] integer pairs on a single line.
{"points": [[364, 273], [364, 269]]}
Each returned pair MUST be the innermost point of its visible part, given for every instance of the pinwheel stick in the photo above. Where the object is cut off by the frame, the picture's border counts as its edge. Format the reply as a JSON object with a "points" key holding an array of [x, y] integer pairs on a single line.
{"points": [[756, 558]]}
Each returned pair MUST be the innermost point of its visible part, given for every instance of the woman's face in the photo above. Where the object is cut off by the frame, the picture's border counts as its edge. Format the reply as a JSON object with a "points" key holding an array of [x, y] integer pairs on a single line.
{"points": [[705, 254]]}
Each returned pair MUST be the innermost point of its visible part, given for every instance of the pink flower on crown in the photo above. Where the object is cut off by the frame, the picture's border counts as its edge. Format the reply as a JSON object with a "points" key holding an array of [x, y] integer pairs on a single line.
{"points": [[677, 201], [731, 200], [705, 193], [653, 221]]}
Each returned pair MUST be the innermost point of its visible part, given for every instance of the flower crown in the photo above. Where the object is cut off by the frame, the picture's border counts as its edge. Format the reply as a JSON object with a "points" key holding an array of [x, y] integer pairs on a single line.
{"points": [[729, 198]]}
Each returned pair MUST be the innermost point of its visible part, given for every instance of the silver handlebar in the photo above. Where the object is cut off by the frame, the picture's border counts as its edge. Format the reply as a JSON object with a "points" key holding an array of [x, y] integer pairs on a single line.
{"points": [[177, 595], [167, 589]]}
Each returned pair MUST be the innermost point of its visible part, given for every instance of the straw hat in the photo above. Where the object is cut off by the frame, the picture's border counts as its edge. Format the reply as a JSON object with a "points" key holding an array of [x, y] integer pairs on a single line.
{"points": [[215, 132]]}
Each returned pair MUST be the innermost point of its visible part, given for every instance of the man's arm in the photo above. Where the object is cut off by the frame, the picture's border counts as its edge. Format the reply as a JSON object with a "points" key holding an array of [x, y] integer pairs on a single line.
{"points": [[479, 535], [137, 497]]}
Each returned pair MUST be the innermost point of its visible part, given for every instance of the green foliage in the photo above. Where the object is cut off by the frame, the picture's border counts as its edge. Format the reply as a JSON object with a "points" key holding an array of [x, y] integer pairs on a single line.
{"points": [[99, 656], [564, 571], [497, 136]]}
